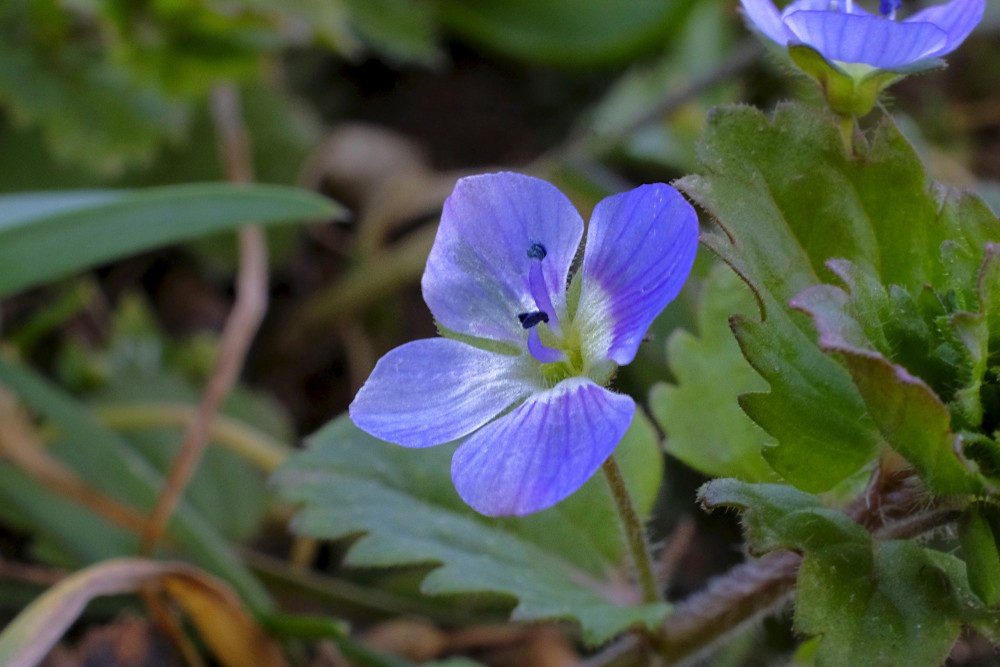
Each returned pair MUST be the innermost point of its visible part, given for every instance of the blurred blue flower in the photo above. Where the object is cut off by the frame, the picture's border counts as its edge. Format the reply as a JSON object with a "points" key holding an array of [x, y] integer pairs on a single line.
{"points": [[529, 344], [845, 33]]}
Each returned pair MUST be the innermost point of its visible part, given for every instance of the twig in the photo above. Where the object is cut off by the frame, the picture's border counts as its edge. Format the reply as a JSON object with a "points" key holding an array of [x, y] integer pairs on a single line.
{"points": [[676, 546], [750, 591], [244, 320]]}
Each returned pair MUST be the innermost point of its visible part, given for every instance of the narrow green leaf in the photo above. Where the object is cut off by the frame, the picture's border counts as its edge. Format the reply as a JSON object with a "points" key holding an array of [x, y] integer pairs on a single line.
{"points": [[555, 564], [48, 236], [114, 468]]}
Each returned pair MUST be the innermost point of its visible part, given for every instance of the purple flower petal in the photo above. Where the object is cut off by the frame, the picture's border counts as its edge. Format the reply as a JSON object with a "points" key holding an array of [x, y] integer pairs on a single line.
{"points": [[765, 17], [957, 19], [640, 248], [872, 40], [822, 6], [542, 451], [477, 276], [433, 391]]}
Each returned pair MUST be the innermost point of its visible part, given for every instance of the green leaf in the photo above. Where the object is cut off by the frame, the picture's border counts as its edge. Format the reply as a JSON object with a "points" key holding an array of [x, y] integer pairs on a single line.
{"points": [[789, 199], [565, 32], [87, 108], [141, 369], [976, 534], [711, 373], [777, 516], [870, 602], [555, 564], [831, 435], [911, 417], [884, 604], [45, 236]]}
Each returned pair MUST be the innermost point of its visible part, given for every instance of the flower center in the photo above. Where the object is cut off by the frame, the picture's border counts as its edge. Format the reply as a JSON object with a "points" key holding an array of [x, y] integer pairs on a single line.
{"points": [[558, 346]]}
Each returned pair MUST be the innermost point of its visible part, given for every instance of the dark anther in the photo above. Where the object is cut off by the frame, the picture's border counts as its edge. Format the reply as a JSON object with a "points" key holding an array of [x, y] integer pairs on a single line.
{"points": [[537, 251], [529, 320]]}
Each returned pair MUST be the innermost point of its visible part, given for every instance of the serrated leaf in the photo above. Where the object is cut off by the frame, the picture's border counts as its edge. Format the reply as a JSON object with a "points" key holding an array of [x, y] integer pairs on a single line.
{"points": [[910, 416], [555, 564], [869, 602], [43, 238], [711, 373], [790, 199], [831, 435], [777, 516], [89, 111]]}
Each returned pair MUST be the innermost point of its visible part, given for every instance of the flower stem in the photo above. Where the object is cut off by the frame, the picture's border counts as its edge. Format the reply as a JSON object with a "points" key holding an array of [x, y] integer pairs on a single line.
{"points": [[635, 534]]}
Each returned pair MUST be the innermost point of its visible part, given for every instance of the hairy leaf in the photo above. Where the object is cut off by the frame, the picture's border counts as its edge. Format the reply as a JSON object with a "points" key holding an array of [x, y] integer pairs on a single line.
{"points": [[789, 199], [558, 564], [869, 602]]}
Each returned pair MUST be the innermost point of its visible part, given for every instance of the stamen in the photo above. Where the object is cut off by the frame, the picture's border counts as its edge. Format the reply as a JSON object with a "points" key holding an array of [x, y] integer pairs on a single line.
{"points": [[539, 351], [537, 251], [536, 284], [849, 6], [888, 7], [529, 320]]}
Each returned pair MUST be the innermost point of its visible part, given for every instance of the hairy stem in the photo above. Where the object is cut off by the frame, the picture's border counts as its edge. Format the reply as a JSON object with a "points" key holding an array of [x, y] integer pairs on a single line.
{"points": [[635, 534]]}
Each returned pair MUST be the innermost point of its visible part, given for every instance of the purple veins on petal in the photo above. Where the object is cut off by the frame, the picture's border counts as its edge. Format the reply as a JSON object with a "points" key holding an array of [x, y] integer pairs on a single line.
{"points": [[542, 451], [477, 275], [640, 249], [845, 32], [957, 19], [871, 40], [433, 391]]}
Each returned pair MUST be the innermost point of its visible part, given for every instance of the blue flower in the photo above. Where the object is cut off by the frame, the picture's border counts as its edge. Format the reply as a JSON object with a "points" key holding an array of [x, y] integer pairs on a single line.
{"points": [[846, 34], [529, 340]]}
